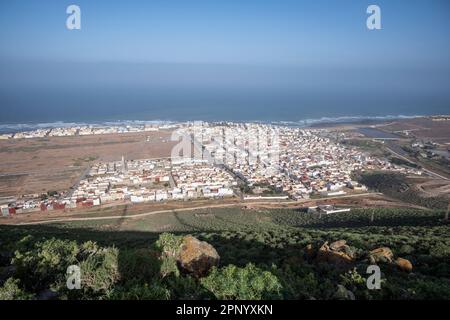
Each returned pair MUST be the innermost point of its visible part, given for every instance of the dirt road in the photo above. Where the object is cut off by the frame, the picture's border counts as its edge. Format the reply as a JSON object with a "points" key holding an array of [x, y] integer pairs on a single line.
{"points": [[139, 215]]}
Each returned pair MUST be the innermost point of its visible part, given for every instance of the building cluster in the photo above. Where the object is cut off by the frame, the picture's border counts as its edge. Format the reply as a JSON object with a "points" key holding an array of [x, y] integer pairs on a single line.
{"points": [[31, 203], [429, 149], [282, 160], [263, 161], [196, 178], [152, 180], [83, 131], [136, 181]]}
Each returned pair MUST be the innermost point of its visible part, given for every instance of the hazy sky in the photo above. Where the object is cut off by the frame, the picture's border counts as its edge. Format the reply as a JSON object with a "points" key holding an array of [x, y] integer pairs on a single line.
{"points": [[232, 31], [307, 46]]}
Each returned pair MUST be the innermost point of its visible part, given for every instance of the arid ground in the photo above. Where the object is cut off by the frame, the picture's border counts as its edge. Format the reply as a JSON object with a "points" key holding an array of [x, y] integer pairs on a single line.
{"points": [[33, 166]]}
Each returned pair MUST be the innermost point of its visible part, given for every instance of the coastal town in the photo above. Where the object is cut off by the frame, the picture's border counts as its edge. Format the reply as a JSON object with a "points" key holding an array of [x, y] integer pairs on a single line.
{"points": [[246, 160], [85, 130]]}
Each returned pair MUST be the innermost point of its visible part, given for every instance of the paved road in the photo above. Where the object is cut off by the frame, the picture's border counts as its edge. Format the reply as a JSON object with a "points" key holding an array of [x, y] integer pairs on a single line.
{"points": [[424, 169], [139, 215]]}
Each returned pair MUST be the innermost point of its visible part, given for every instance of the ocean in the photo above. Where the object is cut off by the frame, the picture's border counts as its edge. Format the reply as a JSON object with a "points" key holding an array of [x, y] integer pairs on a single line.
{"points": [[36, 94], [32, 108]]}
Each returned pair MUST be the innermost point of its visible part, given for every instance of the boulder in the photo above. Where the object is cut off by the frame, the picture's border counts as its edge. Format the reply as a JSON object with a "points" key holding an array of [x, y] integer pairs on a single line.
{"points": [[339, 259], [338, 245], [341, 246], [197, 257], [383, 254], [404, 264]]}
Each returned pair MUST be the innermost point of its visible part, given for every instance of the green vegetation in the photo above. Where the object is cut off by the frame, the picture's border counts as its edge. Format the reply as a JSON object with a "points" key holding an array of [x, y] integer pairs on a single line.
{"points": [[11, 291], [402, 162], [263, 256], [394, 185], [374, 147], [247, 283]]}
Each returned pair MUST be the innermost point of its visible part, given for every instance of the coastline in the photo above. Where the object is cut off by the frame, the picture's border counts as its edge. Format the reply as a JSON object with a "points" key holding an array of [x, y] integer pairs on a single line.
{"points": [[9, 128]]}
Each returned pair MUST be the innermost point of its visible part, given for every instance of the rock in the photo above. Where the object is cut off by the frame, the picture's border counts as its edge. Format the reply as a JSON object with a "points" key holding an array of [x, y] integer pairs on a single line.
{"points": [[341, 246], [404, 264], [338, 245], [383, 254], [339, 259], [197, 257], [343, 294]]}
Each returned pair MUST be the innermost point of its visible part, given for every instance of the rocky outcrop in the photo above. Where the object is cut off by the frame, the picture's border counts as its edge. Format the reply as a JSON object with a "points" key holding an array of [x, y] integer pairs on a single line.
{"points": [[404, 264], [383, 254], [337, 257], [338, 245], [197, 257]]}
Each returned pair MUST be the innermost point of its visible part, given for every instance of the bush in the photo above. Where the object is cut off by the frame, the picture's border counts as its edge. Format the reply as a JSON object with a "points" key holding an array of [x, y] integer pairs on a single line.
{"points": [[45, 263], [100, 272], [186, 288], [248, 283], [169, 244], [440, 250], [139, 291], [11, 291], [140, 264]]}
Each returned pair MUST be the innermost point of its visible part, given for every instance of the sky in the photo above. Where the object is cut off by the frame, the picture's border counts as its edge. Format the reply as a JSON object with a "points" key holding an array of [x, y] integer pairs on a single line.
{"points": [[235, 45]]}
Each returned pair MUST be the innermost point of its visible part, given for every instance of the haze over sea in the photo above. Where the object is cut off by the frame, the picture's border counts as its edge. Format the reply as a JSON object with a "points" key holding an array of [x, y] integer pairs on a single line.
{"points": [[222, 60], [75, 92]]}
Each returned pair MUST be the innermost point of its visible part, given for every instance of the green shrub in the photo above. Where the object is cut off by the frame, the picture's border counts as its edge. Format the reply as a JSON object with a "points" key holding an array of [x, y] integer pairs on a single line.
{"points": [[100, 272], [140, 264], [405, 249], [186, 288], [248, 283], [440, 250], [45, 263], [140, 291], [12, 291], [169, 244], [169, 267]]}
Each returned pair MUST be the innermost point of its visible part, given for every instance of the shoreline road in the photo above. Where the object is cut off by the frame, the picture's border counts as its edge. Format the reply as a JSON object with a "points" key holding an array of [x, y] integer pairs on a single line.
{"points": [[140, 215]]}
